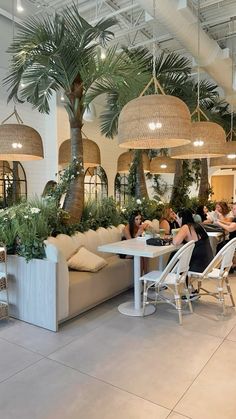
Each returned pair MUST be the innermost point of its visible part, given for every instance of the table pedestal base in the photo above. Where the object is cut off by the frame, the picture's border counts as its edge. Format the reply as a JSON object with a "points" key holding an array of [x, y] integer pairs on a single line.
{"points": [[129, 309]]}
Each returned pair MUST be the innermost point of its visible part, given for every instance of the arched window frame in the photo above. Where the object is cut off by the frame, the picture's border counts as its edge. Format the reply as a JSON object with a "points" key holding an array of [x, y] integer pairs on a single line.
{"points": [[95, 183], [121, 192]]}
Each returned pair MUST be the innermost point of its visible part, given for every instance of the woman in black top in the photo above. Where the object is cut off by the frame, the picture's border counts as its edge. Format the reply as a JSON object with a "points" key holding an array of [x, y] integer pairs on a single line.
{"points": [[202, 252], [168, 220]]}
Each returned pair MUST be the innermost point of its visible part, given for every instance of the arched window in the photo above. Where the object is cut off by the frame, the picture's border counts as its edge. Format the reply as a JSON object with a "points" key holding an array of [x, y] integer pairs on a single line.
{"points": [[121, 188], [13, 185], [95, 183]]}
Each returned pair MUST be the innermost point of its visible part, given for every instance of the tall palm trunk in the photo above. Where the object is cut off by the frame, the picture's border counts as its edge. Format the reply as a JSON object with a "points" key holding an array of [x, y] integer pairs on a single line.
{"points": [[74, 201], [203, 193], [176, 183], [140, 186]]}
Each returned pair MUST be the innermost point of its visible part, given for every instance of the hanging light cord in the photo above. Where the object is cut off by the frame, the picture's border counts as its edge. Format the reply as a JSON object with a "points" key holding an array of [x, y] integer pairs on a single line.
{"points": [[231, 133], [153, 80], [198, 109], [14, 113]]}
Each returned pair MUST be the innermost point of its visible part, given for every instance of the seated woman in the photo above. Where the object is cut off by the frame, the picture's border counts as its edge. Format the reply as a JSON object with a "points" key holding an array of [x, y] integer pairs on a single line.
{"points": [[133, 229], [230, 227], [202, 252], [169, 220], [221, 213], [202, 211]]}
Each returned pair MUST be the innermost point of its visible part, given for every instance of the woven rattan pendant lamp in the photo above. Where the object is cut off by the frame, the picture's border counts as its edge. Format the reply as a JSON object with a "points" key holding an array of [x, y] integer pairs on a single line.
{"points": [[162, 164], [91, 156], [125, 160], [207, 138], [19, 142], [228, 161], [154, 121]]}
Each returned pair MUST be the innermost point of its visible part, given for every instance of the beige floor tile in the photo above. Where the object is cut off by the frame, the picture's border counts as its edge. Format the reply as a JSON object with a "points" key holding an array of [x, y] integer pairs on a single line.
{"points": [[13, 359], [34, 338], [49, 390], [212, 395], [207, 318], [142, 355], [232, 335], [175, 415]]}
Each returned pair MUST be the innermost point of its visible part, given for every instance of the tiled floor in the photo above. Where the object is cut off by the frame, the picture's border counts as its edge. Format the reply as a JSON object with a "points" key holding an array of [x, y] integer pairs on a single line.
{"points": [[104, 365]]}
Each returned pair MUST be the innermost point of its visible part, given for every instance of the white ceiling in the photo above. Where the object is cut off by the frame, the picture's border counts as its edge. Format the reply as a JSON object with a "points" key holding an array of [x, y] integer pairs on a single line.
{"points": [[137, 27]]}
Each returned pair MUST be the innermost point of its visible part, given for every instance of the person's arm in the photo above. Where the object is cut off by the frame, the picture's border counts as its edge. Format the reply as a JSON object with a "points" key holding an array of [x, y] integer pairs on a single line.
{"points": [[181, 235], [228, 227], [126, 232], [165, 226]]}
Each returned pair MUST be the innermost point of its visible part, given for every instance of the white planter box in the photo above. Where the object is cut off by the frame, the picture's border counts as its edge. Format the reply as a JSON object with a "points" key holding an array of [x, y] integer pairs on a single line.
{"points": [[33, 291]]}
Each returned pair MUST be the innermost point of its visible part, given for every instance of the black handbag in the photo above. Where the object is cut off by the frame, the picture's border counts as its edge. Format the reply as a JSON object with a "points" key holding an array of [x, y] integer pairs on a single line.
{"points": [[158, 242]]}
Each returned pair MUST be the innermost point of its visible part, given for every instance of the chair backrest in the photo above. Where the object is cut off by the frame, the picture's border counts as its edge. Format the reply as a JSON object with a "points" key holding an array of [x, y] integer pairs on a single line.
{"points": [[223, 259], [179, 264]]}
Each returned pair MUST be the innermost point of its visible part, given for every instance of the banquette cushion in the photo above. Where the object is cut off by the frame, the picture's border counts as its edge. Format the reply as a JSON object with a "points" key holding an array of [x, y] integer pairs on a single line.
{"points": [[84, 260]]}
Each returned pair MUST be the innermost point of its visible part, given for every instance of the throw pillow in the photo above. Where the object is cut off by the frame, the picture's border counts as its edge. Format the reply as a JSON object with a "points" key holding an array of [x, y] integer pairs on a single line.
{"points": [[84, 260]]}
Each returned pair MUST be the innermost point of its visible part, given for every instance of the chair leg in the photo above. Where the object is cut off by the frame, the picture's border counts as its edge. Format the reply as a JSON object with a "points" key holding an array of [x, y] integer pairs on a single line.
{"points": [[144, 296], [178, 304], [220, 290], [229, 291], [187, 293]]}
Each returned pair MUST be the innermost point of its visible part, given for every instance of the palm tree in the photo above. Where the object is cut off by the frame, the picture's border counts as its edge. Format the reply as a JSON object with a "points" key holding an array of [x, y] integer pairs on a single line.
{"points": [[61, 53]]}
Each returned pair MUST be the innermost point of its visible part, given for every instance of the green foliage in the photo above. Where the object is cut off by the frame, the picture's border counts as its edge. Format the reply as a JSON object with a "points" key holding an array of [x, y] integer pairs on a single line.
{"points": [[25, 226], [149, 208], [159, 186], [65, 177], [97, 214]]}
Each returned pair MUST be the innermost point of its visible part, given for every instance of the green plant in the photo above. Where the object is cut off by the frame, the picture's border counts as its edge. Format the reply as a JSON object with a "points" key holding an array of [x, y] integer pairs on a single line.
{"points": [[149, 208], [102, 213]]}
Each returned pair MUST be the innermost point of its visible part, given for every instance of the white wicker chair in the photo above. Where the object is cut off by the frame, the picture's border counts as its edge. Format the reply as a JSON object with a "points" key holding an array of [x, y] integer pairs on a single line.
{"points": [[217, 270], [172, 277]]}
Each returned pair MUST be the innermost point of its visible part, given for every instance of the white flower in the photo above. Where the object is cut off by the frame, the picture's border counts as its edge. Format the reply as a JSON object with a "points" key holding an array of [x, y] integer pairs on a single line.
{"points": [[138, 201], [160, 203], [34, 210], [72, 176], [26, 216], [123, 209]]}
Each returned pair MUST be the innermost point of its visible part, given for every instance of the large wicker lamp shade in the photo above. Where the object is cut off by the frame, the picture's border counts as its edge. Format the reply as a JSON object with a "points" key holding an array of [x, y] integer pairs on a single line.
{"points": [[125, 160], [154, 121], [228, 161], [20, 142], [207, 140], [91, 156], [162, 164]]}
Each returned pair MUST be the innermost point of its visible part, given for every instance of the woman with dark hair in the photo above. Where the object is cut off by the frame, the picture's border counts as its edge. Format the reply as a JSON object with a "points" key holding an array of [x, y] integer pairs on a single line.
{"points": [[202, 252], [135, 227], [202, 210]]}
